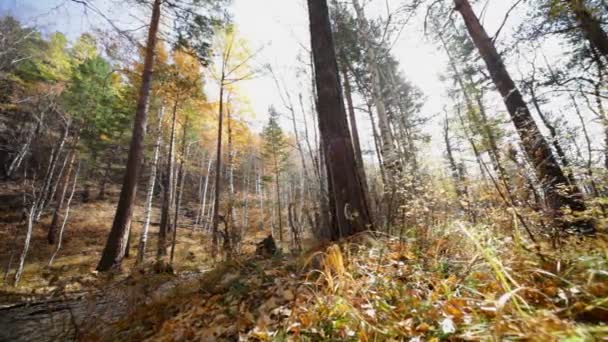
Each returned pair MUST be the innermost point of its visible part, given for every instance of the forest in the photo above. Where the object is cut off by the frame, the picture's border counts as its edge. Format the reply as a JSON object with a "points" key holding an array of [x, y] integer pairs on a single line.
{"points": [[145, 196]]}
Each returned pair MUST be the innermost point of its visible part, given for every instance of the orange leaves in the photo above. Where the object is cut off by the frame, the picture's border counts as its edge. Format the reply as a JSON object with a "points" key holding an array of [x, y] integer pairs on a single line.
{"points": [[455, 308], [402, 255], [387, 291]]}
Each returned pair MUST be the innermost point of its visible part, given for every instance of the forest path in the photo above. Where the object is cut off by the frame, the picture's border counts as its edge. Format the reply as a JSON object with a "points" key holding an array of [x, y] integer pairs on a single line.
{"points": [[65, 317]]}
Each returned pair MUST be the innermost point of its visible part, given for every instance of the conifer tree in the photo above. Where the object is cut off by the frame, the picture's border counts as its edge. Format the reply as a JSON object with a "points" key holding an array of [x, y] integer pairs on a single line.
{"points": [[275, 153]]}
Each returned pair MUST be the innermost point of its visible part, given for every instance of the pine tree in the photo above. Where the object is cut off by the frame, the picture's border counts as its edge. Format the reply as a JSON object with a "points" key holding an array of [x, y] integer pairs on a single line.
{"points": [[538, 150], [349, 211], [275, 153]]}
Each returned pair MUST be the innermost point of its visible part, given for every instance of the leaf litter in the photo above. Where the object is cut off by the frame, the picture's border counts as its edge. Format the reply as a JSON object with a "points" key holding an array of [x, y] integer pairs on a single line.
{"points": [[450, 287]]}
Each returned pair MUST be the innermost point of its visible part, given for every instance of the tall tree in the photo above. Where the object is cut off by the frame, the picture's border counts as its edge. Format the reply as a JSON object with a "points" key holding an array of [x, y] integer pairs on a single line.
{"points": [[548, 170], [389, 153], [234, 66], [275, 154], [168, 184], [116, 244], [143, 240], [349, 212], [590, 25]]}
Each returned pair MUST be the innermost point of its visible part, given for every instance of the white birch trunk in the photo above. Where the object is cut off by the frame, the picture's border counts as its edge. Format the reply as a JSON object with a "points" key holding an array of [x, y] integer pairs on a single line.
{"points": [[65, 218], [143, 239]]}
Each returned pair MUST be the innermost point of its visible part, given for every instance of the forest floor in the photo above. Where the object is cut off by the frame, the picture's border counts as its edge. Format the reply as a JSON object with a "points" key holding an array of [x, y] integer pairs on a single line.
{"points": [[464, 283], [370, 289], [457, 282], [83, 241]]}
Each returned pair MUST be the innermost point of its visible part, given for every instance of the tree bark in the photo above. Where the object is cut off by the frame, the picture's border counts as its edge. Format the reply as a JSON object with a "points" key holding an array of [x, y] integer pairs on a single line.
{"points": [[455, 170], [591, 26], [26, 245], [561, 154], [354, 131], [143, 239], [218, 175], [103, 184], [468, 101], [377, 142], [230, 167], [277, 175], [246, 185], [48, 180], [535, 145], [114, 250], [65, 217], [589, 163], [313, 160], [298, 142], [165, 215], [261, 193], [204, 192], [52, 233], [16, 162], [181, 176], [349, 212], [389, 155]]}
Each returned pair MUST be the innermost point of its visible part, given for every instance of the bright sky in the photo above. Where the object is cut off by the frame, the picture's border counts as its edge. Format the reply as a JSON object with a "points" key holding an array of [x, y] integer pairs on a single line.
{"points": [[280, 28]]}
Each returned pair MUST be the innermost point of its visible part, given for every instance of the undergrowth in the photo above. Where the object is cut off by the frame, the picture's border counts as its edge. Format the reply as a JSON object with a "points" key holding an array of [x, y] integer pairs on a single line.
{"points": [[450, 283]]}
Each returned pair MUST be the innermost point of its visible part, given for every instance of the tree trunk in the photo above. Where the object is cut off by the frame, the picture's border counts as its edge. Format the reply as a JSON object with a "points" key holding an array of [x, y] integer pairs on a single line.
{"points": [[48, 179], [246, 185], [218, 174], [561, 154], [65, 217], [26, 245], [306, 138], [591, 26], [468, 101], [52, 233], [349, 212], [277, 175], [494, 153], [59, 176], [143, 239], [165, 215], [377, 142], [230, 169], [354, 131], [181, 176], [535, 145], [389, 155], [211, 211], [455, 170], [471, 142], [20, 155], [261, 195], [589, 163], [106, 177], [114, 250], [204, 192], [298, 142], [16, 162]]}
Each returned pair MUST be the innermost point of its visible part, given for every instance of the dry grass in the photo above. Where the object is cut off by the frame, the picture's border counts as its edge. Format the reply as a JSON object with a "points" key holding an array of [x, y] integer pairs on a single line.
{"points": [[452, 282], [460, 283]]}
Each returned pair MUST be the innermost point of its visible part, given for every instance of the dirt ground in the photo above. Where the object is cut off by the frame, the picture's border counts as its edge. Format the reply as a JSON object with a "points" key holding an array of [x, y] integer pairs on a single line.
{"points": [[83, 241]]}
